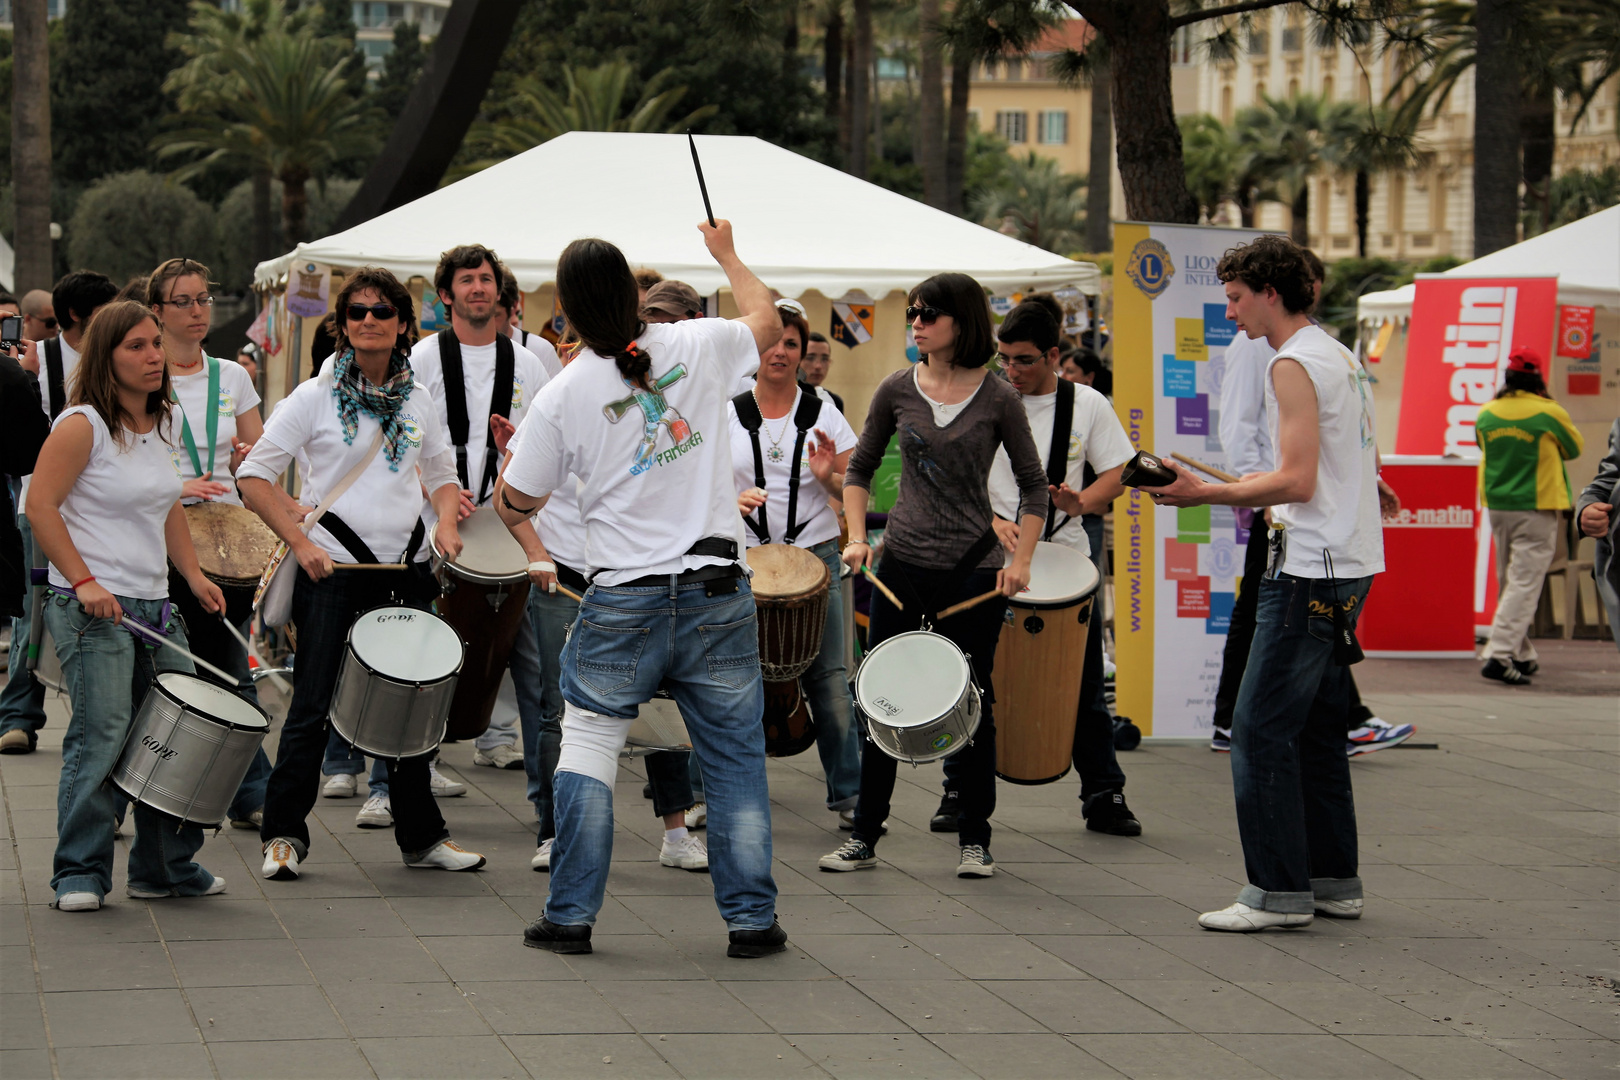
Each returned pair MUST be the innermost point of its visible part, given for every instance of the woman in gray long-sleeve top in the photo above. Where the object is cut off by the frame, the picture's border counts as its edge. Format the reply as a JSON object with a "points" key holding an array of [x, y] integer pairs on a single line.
{"points": [[950, 416]]}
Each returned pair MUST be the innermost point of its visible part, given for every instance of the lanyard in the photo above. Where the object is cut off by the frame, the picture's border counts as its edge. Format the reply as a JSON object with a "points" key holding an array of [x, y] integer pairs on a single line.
{"points": [[212, 424]]}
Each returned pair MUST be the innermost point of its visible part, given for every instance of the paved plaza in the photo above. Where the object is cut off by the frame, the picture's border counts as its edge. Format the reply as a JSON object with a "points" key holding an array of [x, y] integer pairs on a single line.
{"points": [[1488, 948]]}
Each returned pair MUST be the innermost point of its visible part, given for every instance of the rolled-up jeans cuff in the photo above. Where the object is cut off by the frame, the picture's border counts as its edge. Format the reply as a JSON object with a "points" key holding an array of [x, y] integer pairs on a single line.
{"points": [[1283, 903], [845, 804], [1336, 888], [413, 856]]}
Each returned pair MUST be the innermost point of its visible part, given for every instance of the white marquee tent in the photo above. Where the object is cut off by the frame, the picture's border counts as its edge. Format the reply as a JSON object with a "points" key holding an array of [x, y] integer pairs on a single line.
{"points": [[799, 224], [1584, 254]]}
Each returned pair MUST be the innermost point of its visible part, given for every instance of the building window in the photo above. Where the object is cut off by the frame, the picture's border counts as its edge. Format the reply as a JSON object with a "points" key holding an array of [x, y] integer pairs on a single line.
{"points": [[1015, 70], [1327, 87], [1181, 44], [1054, 129], [1259, 42], [1226, 104], [375, 52], [378, 14], [1293, 38], [1013, 125], [973, 120]]}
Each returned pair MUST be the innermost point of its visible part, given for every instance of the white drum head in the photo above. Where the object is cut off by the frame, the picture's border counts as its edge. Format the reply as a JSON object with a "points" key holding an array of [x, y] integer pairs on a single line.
{"points": [[911, 679], [213, 700], [1058, 576], [406, 644], [488, 548]]}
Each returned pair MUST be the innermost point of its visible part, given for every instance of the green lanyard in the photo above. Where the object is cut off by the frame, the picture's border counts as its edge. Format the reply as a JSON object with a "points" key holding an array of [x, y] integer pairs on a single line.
{"points": [[213, 420]]}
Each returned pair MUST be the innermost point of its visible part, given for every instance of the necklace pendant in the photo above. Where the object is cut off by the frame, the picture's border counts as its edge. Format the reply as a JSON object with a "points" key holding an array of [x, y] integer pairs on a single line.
{"points": [[775, 454]]}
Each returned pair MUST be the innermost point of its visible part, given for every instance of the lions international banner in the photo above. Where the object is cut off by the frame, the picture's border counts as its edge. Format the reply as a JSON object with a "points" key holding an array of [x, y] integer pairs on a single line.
{"points": [[1175, 570]]}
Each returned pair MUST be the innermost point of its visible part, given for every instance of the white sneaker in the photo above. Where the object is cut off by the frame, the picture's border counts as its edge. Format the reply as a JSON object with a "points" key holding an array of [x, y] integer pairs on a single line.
{"points": [[1339, 909], [378, 813], [541, 863], [1243, 919], [340, 786], [280, 860], [252, 821], [447, 855], [78, 901], [441, 785], [688, 854], [505, 756], [698, 816], [138, 893]]}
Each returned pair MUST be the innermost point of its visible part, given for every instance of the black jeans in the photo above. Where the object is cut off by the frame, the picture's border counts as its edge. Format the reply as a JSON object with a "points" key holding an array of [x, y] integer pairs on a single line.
{"points": [[323, 611], [670, 774], [975, 631]]}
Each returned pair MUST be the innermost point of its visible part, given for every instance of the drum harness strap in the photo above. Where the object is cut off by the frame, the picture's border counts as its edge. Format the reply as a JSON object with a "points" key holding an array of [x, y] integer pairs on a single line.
{"points": [[455, 400], [212, 425], [804, 419], [343, 534], [1057, 458], [54, 381]]}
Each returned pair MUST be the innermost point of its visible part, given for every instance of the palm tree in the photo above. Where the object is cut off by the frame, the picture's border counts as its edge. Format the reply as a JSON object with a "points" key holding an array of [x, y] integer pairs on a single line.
{"points": [[1210, 159], [284, 106], [31, 145], [1373, 141], [1289, 140], [594, 101], [1036, 203]]}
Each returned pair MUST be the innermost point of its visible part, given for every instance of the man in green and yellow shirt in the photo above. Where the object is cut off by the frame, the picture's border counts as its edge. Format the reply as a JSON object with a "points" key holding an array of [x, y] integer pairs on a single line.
{"points": [[1524, 438]]}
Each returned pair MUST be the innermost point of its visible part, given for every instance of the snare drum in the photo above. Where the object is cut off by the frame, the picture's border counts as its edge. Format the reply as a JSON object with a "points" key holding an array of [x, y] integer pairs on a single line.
{"points": [[658, 726], [1039, 661], [233, 547], [790, 595], [485, 597], [189, 747], [917, 693], [397, 680]]}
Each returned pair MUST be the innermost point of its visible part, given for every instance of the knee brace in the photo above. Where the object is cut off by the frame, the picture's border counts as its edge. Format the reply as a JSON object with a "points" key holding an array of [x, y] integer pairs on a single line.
{"points": [[591, 743]]}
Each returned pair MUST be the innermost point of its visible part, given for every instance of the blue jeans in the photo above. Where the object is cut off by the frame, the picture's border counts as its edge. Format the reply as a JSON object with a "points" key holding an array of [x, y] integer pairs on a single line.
{"points": [[552, 615], [1290, 776], [705, 651], [342, 758], [826, 686], [22, 702], [107, 673]]}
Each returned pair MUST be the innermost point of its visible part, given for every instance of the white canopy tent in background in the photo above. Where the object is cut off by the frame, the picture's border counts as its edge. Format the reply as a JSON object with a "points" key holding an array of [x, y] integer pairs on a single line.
{"points": [[800, 225], [1585, 255]]}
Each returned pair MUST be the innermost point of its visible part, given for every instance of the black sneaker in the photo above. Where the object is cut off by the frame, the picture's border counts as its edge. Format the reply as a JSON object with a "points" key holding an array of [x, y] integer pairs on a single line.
{"points": [[646, 790], [1220, 740], [1526, 667], [975, 861], [944, 819], [1106, 812], [748, 944], [1507, 673], [852, 854], [545, 934]]}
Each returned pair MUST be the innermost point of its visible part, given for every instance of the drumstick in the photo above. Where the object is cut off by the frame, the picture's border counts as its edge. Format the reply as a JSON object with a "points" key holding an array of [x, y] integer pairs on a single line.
{"points": [[247, 647], [1210, 469], [370, 566], [964, 605], [163, 639], [571, 594], [702, 187], [882, 588]]}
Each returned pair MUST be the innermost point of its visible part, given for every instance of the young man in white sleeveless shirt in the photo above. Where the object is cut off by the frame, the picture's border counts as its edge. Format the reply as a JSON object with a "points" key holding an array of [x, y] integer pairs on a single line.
{"points": [[1291, 779]]}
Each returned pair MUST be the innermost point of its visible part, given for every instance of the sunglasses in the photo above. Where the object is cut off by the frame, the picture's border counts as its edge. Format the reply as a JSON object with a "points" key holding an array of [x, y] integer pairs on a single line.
{"points": [[49, 324], [924, 312], [382, 312]]}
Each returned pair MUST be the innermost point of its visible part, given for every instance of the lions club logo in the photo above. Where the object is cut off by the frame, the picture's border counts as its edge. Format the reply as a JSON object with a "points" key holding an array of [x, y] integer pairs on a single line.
{"points": [[412, 431], [1150, 267]]}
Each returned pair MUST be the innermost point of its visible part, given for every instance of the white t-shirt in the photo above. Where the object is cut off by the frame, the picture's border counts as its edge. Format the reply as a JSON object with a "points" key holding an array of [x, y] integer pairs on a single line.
{"points": [[70, 360], [116, 510], [1245, 432], [820, 523], [478, 375], [384, 504], [655, 466], [543, 350], [1096, 437], [561, 529], [1342, 517], [236, 395]]}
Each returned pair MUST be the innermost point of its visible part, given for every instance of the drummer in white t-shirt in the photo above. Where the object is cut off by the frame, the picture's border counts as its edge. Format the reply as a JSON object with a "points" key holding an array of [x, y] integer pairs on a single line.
{"points": [[639, 419], [1029, 339], [802, 471]]}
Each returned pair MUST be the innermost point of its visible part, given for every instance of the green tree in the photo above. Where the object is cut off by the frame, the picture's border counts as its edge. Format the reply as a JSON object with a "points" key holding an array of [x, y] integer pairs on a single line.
{"points": [[1210, 159], [1036, 203], [401, 68], [284, 106], [237, 259], [127, 223], [107, 99], [1579, 193], [1292, 140]]}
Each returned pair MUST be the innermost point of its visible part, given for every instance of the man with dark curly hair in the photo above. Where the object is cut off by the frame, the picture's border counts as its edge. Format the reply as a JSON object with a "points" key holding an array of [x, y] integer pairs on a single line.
{"points": [[1290, 776]]}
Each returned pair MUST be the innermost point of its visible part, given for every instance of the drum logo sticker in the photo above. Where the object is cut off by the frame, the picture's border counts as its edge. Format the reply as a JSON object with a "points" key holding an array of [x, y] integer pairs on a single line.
{"points": [[942, 740], [157, 748], [1150, 267], [656, 412], [887, 706]]}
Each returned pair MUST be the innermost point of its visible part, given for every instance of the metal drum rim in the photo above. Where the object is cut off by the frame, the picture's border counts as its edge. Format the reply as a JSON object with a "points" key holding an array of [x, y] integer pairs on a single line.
{"points": [[187, 706], [873, 651], [348, 647]]}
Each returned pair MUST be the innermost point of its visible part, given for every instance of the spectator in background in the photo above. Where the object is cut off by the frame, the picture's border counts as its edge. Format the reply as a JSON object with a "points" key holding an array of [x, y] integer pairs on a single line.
{"points": [[1082, 365], [9, 304], [814, 367], [134, 289], [1595, 512], [39, 316], [646, 278], [248, 357]]}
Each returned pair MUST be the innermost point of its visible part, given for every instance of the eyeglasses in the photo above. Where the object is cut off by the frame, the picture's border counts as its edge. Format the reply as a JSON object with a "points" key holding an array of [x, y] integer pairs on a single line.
{"points": [[48, 323], [184, 303], [924, 312], [1018, 361], [382, 312]]}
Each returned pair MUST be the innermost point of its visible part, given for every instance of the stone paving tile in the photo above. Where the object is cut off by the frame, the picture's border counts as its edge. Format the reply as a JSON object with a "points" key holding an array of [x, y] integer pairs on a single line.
{"points": [[383, 1010], [654, 1007], [863, 1057], [119, 1018], [1319, 1057], [611, 1057], [551, 1008], [471, 1056], [1084, 1006], [801, 1007], [1027, 1057], [1569, 1059], [25, 1064], [935, 1007], [248, 1014], [1213, 1007], [739, 1057], [1445, 1059], [138, 965], [22, 1025], [995, 956], [252, 962], [1168, 1057], [180, 1061], [288, 1059]]}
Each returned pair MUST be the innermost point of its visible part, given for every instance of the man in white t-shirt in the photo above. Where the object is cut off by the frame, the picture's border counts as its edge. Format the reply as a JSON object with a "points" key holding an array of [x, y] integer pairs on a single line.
{"points": [[475, 370], [816, 364], [1028, 343], [1290, 776], [69, 306]]}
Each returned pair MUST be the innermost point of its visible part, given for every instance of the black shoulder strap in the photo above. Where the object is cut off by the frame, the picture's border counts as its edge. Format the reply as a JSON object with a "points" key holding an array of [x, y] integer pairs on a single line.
{"points": [[55, 383], [749, 416], [343, 534], [1057, 458], [500, 404], [455, 398], [804, 418]]}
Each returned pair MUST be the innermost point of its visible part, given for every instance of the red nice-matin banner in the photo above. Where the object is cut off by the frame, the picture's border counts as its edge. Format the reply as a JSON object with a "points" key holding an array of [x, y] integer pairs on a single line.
{"points": [[1461, 334]]}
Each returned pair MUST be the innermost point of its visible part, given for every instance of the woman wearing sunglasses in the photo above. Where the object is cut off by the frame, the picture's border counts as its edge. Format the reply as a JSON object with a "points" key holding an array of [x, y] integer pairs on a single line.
{"points": [[939, 546], [364, 410]]}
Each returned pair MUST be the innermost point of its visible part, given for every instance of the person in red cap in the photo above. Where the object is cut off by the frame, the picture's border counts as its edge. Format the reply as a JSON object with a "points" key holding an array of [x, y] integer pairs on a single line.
{"points": [[1524, 438]]}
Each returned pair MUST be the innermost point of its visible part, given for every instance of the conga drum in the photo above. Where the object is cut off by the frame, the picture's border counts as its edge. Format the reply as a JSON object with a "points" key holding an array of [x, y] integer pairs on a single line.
{"points": [[791, 595], [233, 547], [1039, 661], [486, 599]]}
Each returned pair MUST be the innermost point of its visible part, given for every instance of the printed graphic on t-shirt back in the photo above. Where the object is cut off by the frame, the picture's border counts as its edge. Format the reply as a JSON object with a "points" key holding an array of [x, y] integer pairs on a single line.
{"points": [[657, 414]]}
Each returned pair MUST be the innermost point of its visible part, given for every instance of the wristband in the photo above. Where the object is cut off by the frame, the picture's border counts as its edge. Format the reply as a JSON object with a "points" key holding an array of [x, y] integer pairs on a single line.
{"points": [[542, 567], [852, 543], [76, 584]]}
